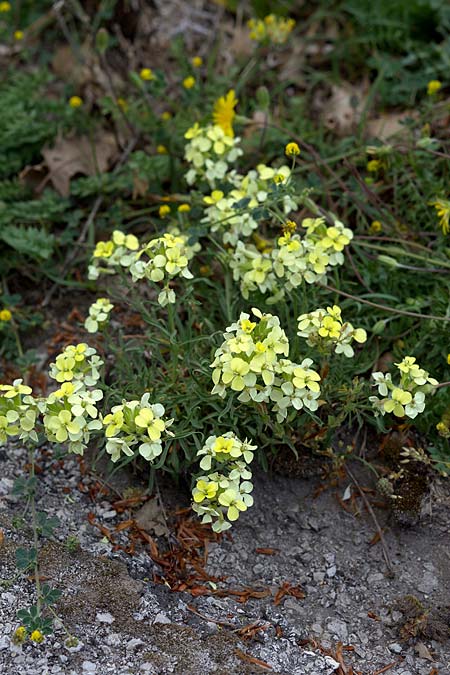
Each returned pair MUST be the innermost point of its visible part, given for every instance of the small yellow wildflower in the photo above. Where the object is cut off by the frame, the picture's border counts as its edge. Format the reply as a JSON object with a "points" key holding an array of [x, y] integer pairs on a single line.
{"points": [[37, 636], [374, 165], [223, 112], [75, 102], [147, 74], [375, 227], [161, 149], [184, 208], [166, 115], [292, 149], [123, 105], [5, 7], [247, 325], [189, 82], [19, 35], [103, 249], [20, 635], [197, 61], [442, 207], [5, 315], [448, 359], [164, 210], [433, 87], [278, 178]]}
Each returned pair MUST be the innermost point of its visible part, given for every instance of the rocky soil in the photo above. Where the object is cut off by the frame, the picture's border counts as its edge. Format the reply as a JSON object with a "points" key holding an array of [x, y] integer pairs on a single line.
{"points": [[355, 617]]}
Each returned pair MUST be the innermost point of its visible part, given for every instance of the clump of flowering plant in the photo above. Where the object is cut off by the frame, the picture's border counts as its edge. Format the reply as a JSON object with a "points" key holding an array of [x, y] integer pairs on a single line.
{"points": [[136, 428], [408, 396], [272, 29], [161, 260], [221, 495], [325, 329], [77, 362], [210, 151], [294, 259], [250, 361], [98, 315], [120, 250]]}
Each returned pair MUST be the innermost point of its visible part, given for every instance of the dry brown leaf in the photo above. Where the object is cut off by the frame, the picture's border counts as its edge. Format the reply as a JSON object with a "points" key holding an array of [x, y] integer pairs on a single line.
{"points": [[77, 155], [342, 111], [150, 518], [388, 124], [423, 651]]}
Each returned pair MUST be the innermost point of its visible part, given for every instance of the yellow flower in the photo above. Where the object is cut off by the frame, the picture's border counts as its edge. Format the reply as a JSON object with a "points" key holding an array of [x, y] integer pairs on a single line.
{"points": [[433, 87], [161, 150], [184, 208], [247, 325], [19, 35], [197, 61], [5, 315], [292, 149], [448, 359], [75, 102], [164, 210], [223, 112], [189, 82], [375, 227], [20, 633], [374, 165], [442, 207], [103, 249], [224, 445], [205, 490], [166, 115], [5, 7], [123, 105], [37, 636], [147, 74]]}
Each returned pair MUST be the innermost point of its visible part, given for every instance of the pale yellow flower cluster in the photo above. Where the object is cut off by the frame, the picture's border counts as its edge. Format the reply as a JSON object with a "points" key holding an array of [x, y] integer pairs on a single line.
{"points": [[221, 495], [408, 396]]}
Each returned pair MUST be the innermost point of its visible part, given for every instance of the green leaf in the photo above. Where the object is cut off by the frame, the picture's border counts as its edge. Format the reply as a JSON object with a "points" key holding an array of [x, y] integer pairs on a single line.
{"points": [[32, 241], [50, 595], [25, 557], [46, 525]]}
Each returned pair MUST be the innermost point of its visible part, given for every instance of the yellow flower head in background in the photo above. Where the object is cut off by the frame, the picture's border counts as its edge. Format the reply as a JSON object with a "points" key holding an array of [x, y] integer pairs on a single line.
{"points": [[223, 112], [123, 105], [433, 87], [147, 74], [166, 115], [19, 35], [161, 150], [197, 61], [375, 227], [5, 7], [189, 82], [5, 315], [292, 149], [442, 207], [164, 210], [20, 635], [272, 28], [75, 102], [37, 636], [374, 165], [184, 208]]}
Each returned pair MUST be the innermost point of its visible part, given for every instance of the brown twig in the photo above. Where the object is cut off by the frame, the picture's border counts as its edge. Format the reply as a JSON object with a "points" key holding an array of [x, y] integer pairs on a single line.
{"points": [[374, 518]]}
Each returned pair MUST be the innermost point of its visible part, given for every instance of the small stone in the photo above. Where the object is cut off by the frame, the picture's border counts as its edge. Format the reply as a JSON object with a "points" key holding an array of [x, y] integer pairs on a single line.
{"points": [[104, 617], [319, 577], [375, 577], [89, 667], [133, 644], [161, 618], [395, 647], [331, 571], [9, 598], [339, 628]]}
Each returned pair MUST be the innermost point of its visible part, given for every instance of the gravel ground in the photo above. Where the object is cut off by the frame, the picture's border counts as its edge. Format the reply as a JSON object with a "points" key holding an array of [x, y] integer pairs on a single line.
{"points": [[126, 624]]}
